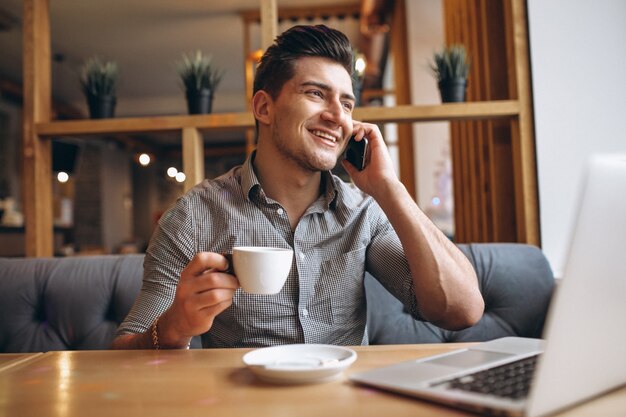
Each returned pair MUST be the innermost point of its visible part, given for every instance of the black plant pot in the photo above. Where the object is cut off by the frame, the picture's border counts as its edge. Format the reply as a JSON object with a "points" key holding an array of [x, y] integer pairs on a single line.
{"points": [[101, 107], [199, 102], [452, 90]]}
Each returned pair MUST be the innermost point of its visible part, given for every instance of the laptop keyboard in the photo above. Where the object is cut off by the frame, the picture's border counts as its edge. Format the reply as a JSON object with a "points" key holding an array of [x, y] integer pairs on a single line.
{"points": [[511, 380]]}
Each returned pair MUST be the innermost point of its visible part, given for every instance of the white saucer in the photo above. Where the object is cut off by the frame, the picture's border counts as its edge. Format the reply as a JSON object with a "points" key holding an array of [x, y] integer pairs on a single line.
{"points": [[299, 364]]}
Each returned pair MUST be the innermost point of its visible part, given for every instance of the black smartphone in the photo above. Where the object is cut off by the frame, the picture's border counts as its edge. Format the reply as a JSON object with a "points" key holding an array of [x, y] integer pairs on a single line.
{"points": [[355, 152]]}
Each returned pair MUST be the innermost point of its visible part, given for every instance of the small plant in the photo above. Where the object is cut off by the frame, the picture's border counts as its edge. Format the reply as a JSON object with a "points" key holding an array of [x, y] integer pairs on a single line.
{"points": [[452, 62], [197, 72], [99, 78]]}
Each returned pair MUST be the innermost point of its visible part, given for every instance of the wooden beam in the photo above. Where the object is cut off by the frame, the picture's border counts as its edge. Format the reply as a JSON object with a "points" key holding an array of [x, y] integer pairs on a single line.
{"points": [[399, 51], [193, 157], [249, 63], [524, 158], [269, 23], [37, 154]]}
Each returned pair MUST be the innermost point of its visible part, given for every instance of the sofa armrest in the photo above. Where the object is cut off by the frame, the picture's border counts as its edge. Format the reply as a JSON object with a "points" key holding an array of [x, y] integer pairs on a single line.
{"points": [[516, 283]]}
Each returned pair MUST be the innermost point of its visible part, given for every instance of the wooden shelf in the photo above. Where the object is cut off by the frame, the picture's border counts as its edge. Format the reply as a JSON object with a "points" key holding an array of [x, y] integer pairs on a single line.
{"points": [[439, 112], [242, 121], [221, 121]]}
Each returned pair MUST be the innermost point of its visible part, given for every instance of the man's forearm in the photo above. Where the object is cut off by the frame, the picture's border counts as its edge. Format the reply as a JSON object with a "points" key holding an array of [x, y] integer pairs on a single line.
{"points": [[154, 338], [445, 282], [133, 341]]}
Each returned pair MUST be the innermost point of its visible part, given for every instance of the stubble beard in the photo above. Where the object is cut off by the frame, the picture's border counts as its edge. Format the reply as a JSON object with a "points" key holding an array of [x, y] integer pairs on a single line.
{"points": [[306, 160]]}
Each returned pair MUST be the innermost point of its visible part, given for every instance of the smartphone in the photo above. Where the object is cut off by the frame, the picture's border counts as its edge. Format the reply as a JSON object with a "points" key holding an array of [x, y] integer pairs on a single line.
{"points": [[355, 152]]}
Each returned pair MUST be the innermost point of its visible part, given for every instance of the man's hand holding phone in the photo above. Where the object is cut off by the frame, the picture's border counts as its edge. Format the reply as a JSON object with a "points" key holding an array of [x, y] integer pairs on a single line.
{"points": [[367, 159]]}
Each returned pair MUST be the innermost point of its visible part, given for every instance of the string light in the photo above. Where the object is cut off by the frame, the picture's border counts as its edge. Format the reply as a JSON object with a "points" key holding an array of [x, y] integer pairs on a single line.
{"points": [[180, 176], [144, 159], [62, 177], [171, 172], [360, 64]]}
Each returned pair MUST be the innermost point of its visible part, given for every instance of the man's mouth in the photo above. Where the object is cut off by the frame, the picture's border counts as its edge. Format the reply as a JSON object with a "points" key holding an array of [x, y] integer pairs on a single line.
{"points": [[325, 135]]}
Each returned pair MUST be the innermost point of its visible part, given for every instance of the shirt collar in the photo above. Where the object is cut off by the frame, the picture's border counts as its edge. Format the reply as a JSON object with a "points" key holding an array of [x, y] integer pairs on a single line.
{"points": [[249, 181], [251, 187], [330, 190]]}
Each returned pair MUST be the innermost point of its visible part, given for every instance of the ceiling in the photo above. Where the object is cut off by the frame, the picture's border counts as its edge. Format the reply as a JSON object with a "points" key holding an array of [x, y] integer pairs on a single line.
{"points": [[145, 38]]}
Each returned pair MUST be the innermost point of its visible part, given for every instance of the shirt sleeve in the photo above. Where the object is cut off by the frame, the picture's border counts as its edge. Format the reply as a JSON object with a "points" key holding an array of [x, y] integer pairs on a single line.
{"points": [[386, 261], [171, 248]]}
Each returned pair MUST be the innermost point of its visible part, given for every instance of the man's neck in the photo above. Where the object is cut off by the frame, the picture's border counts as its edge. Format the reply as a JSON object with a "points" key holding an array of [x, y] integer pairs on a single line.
{"points": [[287, 183]]}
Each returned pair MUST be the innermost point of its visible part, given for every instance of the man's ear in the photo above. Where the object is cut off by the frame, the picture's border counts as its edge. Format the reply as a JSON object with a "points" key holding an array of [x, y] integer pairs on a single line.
{"points": [[262, 107]]}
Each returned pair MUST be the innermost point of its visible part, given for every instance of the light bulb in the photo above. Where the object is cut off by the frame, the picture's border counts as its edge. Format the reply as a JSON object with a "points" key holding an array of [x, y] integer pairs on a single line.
{"points": [[171, 172], [63, 177], [144, 159], [359, 65]]}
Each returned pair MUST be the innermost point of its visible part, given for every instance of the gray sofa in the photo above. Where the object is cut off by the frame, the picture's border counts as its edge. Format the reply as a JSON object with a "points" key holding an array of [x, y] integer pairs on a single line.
{"points": [[77, 303]]}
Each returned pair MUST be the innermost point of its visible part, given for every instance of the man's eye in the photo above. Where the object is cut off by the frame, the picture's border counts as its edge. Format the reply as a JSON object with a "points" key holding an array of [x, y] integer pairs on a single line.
{"points": [[317, 93], [348, 105]]}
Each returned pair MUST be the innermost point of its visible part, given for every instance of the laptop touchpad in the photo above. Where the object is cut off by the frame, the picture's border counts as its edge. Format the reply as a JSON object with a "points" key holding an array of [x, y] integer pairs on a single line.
{"points": [[469, 358]]}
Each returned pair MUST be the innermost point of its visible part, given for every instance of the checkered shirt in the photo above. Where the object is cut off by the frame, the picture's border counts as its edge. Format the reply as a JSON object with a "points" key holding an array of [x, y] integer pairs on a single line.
{"points": [[341, 236]]}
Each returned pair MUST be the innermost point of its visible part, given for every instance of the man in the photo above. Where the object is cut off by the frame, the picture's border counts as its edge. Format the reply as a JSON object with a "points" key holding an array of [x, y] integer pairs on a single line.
{"points": [[285, 196]]}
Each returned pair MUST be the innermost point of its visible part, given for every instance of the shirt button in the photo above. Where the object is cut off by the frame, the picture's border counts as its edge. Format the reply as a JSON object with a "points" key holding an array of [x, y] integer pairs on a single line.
{"points": [[302, 256], [280, 211], [305, 312]]}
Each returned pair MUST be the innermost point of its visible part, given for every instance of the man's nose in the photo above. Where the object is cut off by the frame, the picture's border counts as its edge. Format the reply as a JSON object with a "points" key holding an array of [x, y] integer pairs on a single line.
{"points": [[334, 112]]}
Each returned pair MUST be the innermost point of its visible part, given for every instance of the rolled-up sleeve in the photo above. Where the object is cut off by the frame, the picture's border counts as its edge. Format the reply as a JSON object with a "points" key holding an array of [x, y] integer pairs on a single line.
{"points": [[171, 248], [386, 261]]}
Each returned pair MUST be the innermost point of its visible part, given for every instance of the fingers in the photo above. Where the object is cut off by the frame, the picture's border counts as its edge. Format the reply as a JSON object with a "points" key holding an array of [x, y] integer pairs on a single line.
{"points": [[211, 280], [210, 302], [203, 284], [215, 301], [369, 130], [198, 300], [203, 291], [204, 261]]}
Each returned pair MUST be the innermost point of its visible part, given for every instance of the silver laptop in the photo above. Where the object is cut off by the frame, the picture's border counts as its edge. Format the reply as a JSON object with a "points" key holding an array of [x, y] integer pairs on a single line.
{"points": [[583, 351]]}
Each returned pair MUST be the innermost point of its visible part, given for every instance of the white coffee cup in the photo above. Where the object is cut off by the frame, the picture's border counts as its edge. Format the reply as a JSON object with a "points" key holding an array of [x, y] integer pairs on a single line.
{"points": [[262, 270]]}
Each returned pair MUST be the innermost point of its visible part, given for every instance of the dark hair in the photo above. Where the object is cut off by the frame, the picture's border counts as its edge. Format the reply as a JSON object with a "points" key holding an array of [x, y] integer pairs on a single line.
{"points": [[278, 62]]}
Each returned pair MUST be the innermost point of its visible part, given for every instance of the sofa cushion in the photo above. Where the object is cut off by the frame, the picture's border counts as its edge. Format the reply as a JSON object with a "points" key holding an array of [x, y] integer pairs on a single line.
{"points": [[65, 303], [516, 283]]}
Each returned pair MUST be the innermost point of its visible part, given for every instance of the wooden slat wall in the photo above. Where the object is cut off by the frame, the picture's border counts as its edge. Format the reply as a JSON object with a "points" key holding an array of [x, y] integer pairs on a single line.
{"points": [[481, 150]]}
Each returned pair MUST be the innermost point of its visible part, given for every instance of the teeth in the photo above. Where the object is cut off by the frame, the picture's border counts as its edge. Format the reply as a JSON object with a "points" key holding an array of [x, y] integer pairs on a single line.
{"points": [[324, 135]]}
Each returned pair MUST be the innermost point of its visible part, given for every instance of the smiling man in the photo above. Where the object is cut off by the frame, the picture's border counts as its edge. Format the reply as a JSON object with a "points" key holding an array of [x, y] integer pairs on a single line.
{"points": [[285, 196]]}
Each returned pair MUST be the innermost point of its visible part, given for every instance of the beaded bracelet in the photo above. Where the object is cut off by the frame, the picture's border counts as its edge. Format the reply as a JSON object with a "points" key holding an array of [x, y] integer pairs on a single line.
{"points": [[155, 334]]}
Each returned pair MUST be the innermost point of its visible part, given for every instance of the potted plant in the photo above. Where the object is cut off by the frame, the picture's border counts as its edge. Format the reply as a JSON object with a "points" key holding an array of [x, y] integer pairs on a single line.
{"points": [[200, 79], [451, 67], [98, 80]]}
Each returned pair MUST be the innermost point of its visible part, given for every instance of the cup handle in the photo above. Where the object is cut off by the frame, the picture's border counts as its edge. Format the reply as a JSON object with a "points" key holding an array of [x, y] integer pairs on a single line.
{"points": [[229, 258]]}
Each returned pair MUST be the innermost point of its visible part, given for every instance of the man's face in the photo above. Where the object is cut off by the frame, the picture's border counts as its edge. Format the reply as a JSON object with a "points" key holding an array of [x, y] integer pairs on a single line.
{"points": [[313, 114]]}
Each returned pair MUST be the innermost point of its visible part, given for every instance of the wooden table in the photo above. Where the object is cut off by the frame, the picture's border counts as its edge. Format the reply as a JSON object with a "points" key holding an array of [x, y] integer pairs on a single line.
{"points": [[213, 383], [8, 360]]}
